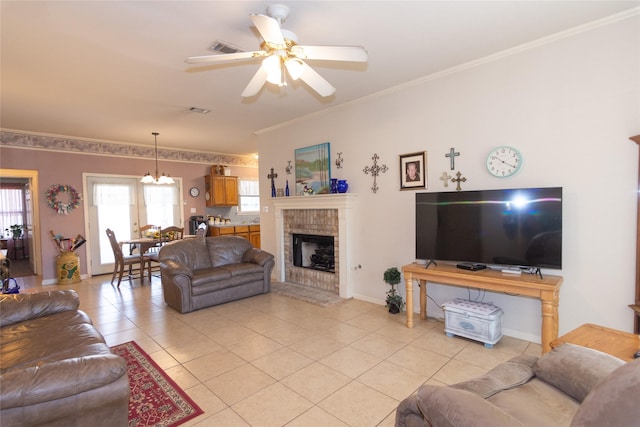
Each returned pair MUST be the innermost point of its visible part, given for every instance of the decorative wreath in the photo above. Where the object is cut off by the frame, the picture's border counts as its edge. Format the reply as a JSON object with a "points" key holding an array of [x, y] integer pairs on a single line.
{"points": [[62, 208]]}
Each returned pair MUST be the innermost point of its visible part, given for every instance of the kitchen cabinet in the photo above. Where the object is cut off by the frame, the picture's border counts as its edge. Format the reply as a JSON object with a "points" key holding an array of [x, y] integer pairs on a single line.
{"points": [[254, 235], [249, 232], [221, 190]]}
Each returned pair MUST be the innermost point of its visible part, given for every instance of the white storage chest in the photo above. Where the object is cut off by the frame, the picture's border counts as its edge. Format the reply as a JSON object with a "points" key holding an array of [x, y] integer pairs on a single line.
{"points": [[470, 319]]}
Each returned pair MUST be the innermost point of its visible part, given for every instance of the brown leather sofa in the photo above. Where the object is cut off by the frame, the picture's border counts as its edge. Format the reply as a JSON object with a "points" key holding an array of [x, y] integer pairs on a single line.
{"points": [[55, 367], [201, 272], [569, 386]]}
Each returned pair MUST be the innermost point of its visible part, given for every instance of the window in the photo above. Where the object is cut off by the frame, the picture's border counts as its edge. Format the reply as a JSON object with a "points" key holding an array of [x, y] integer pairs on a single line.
{"points": [[161, 203], [12, 209], [249, 196]]}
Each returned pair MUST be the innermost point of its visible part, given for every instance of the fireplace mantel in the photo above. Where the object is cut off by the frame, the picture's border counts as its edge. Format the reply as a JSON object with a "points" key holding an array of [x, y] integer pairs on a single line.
{"points": [[318, 201], [344, 204]]}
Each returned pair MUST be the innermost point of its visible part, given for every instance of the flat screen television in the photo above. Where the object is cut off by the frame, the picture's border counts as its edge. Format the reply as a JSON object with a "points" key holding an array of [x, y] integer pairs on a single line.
{"points": [[514, 227]]}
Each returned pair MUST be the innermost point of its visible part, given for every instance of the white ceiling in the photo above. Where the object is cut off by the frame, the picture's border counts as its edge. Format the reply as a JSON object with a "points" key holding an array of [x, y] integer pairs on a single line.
{"points": [[115, 70]]}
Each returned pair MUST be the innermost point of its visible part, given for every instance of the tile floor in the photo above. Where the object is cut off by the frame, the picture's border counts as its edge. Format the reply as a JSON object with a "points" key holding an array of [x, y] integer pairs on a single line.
{"points": [[271, 360]]}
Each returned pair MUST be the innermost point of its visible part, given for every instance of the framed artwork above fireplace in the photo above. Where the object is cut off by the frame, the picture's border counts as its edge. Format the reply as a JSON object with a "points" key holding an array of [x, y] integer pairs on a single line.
{"points": [[313, 169]]}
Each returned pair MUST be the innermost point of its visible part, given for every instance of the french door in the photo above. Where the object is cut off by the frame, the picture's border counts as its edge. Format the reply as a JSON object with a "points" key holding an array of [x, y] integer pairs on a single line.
{"points": [[123, 204]]}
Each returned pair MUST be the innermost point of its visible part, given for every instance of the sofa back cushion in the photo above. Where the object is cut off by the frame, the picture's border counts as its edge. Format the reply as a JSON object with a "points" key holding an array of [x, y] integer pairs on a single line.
{"points": [[16, 308], [224, 250], [574, 369], [191, 253]]}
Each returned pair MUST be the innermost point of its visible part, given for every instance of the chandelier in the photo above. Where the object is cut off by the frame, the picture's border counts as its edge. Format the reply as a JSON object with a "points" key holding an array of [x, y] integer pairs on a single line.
{"points": [[157, 179]]}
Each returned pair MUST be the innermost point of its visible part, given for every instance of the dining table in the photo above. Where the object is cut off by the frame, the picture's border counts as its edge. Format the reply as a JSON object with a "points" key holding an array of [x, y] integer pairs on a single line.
{"points": [[143, 244]]}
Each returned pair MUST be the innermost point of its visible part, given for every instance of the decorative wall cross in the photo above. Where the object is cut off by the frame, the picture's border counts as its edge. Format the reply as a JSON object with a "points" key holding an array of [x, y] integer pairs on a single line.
{"points": [[375, 171], [445, 178], [272, 176], [458, 180], [288, 168], [452, 154]]}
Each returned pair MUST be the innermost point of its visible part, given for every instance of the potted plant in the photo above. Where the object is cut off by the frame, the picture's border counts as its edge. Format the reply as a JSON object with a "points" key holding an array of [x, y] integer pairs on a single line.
{"points": [[395, 302], [16, 230]]}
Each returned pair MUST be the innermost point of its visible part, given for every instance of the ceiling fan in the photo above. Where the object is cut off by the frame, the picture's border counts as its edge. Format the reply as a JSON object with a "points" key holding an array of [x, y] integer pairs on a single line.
{"points": [[280, 51]]}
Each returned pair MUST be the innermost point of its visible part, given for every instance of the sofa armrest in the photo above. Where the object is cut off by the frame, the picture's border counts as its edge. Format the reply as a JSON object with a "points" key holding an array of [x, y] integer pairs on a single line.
{"points": [[57, 380], [173, 268], [256, 256], [16, 308], [450, 407]]}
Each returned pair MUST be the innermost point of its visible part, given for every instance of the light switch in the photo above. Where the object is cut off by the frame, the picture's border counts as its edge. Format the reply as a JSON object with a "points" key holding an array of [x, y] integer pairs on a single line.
{"points": [[193, 210], [265, 209]]}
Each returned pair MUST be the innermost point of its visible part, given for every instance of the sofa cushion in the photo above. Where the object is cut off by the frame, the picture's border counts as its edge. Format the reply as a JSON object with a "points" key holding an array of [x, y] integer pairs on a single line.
{"points": [[614, 401], [450, 407], [574, 369], [217, 285], [201, 277], [188, 252], [244, 268], [19, 307], [225, 250], [505, 376]]}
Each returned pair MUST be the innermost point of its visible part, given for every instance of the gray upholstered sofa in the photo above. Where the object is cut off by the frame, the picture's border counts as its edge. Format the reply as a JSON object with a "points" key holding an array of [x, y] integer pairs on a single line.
{"points": [[202, 272], [55, 367], [569, 386]]}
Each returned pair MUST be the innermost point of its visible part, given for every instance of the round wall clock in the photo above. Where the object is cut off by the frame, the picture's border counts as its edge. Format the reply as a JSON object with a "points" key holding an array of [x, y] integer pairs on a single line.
{"points": [[194, 191], [504, 161]]}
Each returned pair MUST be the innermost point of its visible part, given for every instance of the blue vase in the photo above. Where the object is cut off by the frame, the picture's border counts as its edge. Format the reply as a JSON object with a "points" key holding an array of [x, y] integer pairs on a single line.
{"points": [[334, 185], [342, 186]]}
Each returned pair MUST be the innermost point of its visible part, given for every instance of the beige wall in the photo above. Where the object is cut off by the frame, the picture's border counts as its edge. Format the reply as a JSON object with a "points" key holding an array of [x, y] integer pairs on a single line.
{"points": [[569, 106]]}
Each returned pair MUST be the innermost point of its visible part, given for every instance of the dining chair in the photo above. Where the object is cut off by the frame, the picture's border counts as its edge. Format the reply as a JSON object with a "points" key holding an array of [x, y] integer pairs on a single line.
{"points": [[121, 260], [167, 235]]}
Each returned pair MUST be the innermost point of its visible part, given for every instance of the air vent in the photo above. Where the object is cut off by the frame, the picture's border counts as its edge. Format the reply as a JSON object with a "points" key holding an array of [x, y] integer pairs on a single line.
{"points": [[198, 110], [224, 47]]}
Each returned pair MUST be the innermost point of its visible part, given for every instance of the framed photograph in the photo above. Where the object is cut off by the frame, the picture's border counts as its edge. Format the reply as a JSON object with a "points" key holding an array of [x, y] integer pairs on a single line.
{"points": [[413, 171], [313, 170]]}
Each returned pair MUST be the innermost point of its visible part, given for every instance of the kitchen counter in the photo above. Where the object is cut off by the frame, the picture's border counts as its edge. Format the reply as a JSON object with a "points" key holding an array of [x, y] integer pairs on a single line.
{"points": [[234, 224]]}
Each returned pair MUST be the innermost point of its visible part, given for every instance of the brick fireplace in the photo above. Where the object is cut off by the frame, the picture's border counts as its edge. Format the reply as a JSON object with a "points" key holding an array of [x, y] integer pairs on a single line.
{"points": [[321, 215]]}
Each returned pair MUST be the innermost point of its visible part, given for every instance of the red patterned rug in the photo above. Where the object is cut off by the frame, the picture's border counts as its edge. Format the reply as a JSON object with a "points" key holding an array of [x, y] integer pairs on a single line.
{"points": [[155, 399]]}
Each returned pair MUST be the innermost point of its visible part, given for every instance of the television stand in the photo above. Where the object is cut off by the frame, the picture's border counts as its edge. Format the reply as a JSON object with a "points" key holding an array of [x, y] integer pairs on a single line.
{"points": [[545, 289]]}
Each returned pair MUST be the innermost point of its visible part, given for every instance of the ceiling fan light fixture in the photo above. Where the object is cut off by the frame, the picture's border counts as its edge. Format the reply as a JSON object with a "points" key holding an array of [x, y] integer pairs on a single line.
{"points": [[272, 66], [294, 68]]}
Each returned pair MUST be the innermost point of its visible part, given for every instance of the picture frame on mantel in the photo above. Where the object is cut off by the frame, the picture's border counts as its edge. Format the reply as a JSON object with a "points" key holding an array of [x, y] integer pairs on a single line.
{"points": [[413, 171], [313, 169]]}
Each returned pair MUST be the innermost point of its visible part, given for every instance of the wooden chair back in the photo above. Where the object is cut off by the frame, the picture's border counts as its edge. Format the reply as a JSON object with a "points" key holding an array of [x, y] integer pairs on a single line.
{"points": [[172, 233], [117, 249]]}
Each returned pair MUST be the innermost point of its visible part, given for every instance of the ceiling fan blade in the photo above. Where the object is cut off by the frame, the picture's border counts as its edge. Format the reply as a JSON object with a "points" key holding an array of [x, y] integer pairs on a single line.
{"points": [[256, 83], [224, 57], [331, 53], [316, 81], [269, 30]]}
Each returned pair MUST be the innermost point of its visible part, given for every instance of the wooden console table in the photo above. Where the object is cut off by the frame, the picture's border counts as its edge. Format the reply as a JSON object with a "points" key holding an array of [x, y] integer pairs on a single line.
{"points": [[546, 290]]}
